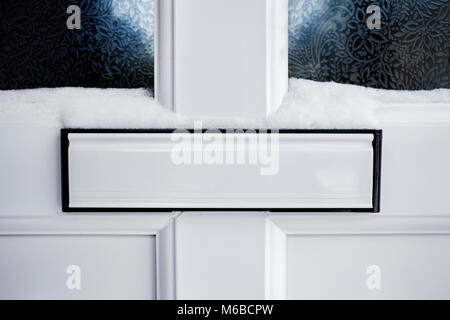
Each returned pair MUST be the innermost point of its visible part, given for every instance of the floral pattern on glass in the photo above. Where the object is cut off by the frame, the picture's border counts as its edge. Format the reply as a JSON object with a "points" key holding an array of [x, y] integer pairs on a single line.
{"points": [[329, 40], [113, 48]]}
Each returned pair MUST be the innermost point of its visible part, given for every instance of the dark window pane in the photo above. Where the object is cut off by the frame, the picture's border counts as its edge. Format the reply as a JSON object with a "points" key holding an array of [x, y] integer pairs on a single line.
{"points": [[330, 40], [113, 48]]}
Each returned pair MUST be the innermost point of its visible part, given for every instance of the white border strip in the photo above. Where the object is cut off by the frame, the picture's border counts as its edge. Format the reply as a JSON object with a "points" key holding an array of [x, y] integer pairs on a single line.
{"points": [[414, 113]]}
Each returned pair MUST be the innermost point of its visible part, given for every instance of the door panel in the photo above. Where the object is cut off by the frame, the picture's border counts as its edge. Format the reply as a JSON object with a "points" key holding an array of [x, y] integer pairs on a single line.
{"points": [[336, 267], [110, 267]]}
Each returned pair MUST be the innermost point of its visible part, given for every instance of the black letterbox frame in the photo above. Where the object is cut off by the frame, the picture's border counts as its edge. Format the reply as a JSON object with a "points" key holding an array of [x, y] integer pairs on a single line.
{"points": [[376, 177]]}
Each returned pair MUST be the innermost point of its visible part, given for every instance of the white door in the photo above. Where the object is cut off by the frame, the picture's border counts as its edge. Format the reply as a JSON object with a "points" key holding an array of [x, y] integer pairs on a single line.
{"points": [[400, 253]]}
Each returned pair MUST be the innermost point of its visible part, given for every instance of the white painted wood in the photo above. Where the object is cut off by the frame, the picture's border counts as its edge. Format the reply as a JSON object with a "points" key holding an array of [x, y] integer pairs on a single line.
{"points": [[237, 65], [165, 261], [100, 174], [111, 267], [413, 114], [242, 255], [276, 262], [278, 51], [93, 223], [335, 267], [327, 256], [344, 224], [416, 173], [29, 170], [156, 227], [416, 152], [220, 255], [164, 52]]}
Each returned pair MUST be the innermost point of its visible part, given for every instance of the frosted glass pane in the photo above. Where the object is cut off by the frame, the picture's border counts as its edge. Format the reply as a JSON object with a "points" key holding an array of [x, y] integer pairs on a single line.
{"points": [[41, 45], [339, 40]]}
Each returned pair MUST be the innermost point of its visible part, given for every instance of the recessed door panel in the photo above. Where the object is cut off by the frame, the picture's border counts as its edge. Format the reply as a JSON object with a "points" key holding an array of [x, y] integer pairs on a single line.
{"points": [[77, 267], [368, 267]]}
